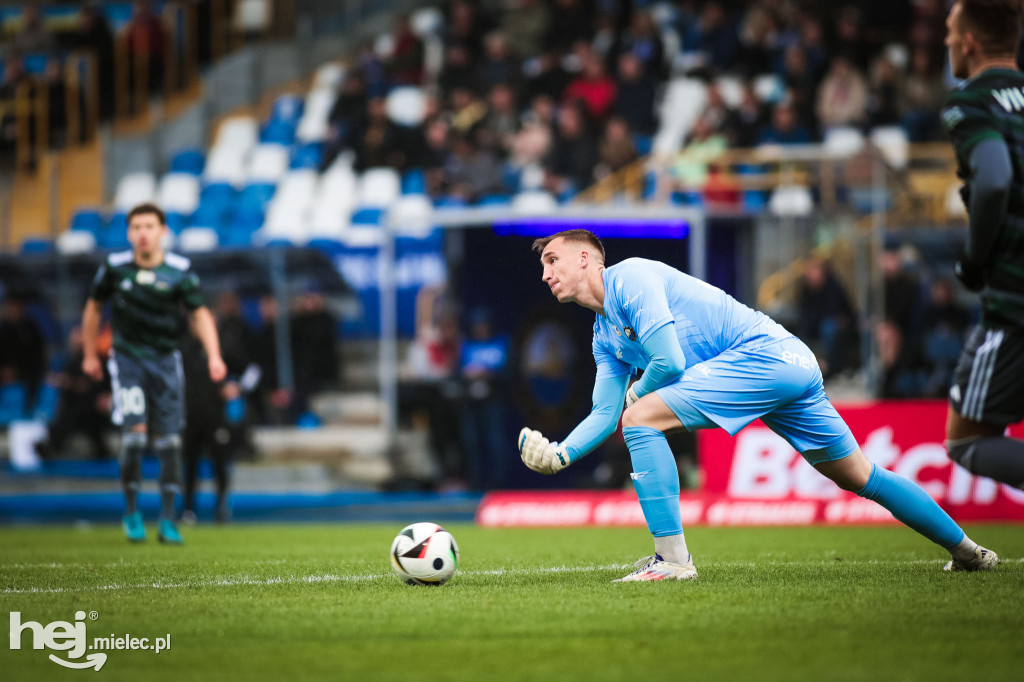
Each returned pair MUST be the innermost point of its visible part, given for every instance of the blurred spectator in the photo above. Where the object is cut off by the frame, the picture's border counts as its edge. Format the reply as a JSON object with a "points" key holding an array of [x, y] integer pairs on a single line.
{"points": [[83, 407], [758, 41], [842, 97], [467, 110], [570, 163], [379, 141], [594, 88], [923, 94], [147, 40], [885, 94], [641, 40], [943, 326], [901, 375], [435, 154], [465, 28], [347, 117], [568, 22], [812, 41], [827, 320], [484, 367], [498, 66], [901, 291], [459, 71], [848, 37], [546, 76], [716, 37], [744, 124], [501, 124], [53, 81], [785, 128], [270, 401], [315, 361], [430, 382], [92, 33], [801, 83], [405, 64], [533, 142], [525, 23], [470, 171], [23, 356], [690, 168], [32, 36], [636, 96], [616, 149]]}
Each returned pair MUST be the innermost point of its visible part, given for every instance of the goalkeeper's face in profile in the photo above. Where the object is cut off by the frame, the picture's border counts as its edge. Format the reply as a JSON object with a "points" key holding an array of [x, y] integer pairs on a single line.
{"points": [[565, 267]]}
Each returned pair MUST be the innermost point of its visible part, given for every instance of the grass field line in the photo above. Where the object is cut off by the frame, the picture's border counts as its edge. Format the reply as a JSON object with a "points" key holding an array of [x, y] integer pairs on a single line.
{"points": [[365, 577]]}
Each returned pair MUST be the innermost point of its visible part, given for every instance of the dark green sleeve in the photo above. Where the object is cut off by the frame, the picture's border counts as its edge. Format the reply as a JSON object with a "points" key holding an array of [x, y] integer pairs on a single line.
{"points": [[967, 122], [189, 291], [102, 284]]}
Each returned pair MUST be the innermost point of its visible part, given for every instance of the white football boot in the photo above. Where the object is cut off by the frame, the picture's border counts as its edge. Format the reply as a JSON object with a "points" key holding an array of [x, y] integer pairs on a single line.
{"points": [[983, 560], [656, 568]]}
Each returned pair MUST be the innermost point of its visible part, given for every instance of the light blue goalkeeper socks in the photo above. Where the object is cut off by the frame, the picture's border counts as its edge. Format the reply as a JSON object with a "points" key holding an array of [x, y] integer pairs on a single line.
{"points": [[909, 503], [655, 478]]}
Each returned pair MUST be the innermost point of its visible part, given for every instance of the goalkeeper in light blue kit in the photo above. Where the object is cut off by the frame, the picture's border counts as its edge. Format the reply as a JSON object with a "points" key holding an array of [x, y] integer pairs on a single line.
{"points": [[709, 361]]}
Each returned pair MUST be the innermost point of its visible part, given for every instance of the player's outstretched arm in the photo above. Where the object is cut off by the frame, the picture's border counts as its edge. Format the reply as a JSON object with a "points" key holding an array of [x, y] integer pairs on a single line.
{"points": [[667, 363], [91, 317], [204, 327], [546, 457]]}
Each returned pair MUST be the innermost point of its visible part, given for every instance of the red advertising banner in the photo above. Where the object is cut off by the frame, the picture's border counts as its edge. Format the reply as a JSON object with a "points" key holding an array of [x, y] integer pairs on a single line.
{"points": [[756, 478]]}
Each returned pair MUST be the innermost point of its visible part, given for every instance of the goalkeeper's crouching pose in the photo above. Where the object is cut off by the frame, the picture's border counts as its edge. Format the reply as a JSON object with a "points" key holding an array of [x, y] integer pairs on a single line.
{"points": [[708, 361]]}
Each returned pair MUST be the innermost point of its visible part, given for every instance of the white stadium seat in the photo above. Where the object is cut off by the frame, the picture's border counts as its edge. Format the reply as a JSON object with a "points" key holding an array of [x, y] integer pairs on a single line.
{"points": [[791, 201], [407, 106], [892, 142], [329, 222], [533, 203], [268, 163], [314, 123], [225, 164], [179, 193], [410, 215], [329, 75], [134, 189], [239, 132], [843, 141], [378, 188], [76, 241], [194, 239]]}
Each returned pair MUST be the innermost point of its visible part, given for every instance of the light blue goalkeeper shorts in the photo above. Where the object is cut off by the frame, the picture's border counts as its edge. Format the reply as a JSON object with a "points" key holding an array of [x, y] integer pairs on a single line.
{"points": [[780, 383]]}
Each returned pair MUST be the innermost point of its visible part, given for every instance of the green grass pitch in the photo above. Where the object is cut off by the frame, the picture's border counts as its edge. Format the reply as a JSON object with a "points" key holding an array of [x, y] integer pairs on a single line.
{"points": [[319, 602]]}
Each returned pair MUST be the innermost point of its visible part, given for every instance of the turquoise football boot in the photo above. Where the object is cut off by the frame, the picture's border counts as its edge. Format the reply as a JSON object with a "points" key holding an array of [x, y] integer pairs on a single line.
{"points": [[169, 534], [134, 529]]}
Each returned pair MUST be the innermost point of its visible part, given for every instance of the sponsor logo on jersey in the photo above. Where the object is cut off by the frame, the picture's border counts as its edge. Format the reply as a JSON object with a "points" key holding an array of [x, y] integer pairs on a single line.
{"points": [[145, 277]]}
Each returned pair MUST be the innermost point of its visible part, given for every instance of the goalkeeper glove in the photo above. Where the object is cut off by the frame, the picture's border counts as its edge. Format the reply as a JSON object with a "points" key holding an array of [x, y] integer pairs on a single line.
{"points": [[540, 454], [970, 273], [631, 396]]}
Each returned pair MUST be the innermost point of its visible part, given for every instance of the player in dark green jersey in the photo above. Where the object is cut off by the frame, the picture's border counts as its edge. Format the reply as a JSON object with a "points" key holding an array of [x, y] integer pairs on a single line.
{"points": [[147, 288], [984, 118]]}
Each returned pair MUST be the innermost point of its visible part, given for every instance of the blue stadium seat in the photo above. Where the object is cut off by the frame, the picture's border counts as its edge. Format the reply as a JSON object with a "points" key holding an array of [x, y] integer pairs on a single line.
{"points": [[367, 216], [278, 132], [495, 200], [176, 222], [688, 198], [210, 214], [755, 201], [308, 155], [279, 243], [46, 403], [35, 64], [445, 201], [115, 234], [191, 161], [414, 182], [643, 144], [12, 403], [329, 246], [88, 220], [235, 236], [36, 245]]}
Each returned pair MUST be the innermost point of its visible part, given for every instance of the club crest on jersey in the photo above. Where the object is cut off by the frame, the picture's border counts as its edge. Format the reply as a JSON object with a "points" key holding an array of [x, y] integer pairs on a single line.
{"points": [[630, 334], [145, 277]]}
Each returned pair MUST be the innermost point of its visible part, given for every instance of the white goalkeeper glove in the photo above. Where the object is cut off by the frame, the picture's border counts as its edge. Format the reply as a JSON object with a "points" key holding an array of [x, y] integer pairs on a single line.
{"points": [[631, 396], [540, 454]]}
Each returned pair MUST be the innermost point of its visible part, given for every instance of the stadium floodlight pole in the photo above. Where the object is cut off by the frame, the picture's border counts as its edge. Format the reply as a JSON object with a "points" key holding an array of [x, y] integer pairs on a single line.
{"points": [[615, 220]]}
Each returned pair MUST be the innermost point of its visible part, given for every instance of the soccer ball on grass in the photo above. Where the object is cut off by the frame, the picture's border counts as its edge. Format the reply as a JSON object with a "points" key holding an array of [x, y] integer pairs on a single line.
{"points": [[424, 554]]}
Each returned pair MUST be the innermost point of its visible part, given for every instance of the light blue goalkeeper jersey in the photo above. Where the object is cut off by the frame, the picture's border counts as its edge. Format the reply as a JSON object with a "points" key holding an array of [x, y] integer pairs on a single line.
{"points": [[641, 296]]}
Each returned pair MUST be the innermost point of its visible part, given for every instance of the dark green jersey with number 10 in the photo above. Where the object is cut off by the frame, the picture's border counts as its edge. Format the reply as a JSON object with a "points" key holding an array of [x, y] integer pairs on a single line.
{"points": [[146, 302], [991, 106]]}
